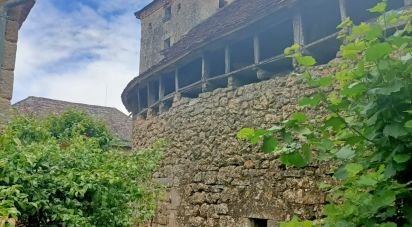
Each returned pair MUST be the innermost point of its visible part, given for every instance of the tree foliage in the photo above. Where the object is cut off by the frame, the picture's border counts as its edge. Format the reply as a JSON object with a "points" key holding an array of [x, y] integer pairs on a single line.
{"points": [[61, 171], [366, 131]]}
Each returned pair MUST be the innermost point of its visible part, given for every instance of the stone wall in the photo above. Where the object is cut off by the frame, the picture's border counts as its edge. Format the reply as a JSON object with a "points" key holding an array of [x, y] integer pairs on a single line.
{"points": [[213, 179], [155, 30], [117, 122], [16, 16]]}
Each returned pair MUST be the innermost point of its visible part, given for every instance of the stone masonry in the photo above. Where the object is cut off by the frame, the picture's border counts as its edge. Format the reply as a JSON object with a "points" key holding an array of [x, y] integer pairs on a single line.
{"points": [[212, 178], [184, 15], [16, 16]]}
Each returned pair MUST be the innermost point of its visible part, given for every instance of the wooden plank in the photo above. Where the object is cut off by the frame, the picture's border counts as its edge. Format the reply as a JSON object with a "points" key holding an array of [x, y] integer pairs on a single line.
{"points": [[161, 89], [138, 100], [298, 35], [177, 80], [227, 60], [205, 73], [256, 48], [343, 10]]}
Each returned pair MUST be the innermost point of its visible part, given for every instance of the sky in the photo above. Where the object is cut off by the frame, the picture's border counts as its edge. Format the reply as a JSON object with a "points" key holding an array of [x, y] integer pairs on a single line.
{"points": [[83, 51]]}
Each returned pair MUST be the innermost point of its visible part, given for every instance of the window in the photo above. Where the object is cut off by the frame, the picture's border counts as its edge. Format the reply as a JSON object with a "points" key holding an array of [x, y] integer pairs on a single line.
{"points": [[167, 13], [222, 3], [150, 26], [167, 43], [258, 222]]}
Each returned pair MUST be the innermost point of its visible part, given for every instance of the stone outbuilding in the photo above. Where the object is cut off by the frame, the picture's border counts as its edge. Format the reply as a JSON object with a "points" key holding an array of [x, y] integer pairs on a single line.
{"points": [[211, 67], [12, 15], [117, 122]]}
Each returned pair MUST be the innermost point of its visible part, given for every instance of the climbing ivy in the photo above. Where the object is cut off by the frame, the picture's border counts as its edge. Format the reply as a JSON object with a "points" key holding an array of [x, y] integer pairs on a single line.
{"points": [[365, 130], [60, 171]]}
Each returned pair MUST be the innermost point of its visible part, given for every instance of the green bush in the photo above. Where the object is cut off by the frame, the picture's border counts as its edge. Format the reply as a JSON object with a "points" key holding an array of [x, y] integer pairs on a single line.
{"points": [[61, 171], [366, 131]]}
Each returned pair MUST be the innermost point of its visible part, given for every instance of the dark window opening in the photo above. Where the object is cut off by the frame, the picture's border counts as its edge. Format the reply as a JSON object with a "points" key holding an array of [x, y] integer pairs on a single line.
{"points": [[259, 222], [179, 7], [273, 42], [321, 20], [166, 43], [150, 26], [216, 62], [167, 104], [242, 54], [325, 51], [358, 10], [167, 13], [168, 81], [153, 92], [190, 73], [395, 4], [222, 3], [143, 104]]}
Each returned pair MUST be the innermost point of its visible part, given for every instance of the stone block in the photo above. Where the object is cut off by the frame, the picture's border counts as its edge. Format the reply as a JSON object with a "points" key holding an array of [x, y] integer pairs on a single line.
{"points": [[9, 55], [12, 31], [6, 84]]}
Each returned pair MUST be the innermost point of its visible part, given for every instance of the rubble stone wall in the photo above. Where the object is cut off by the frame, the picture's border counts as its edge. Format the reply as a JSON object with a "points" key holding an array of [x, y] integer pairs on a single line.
{"points": [[213, 179]]}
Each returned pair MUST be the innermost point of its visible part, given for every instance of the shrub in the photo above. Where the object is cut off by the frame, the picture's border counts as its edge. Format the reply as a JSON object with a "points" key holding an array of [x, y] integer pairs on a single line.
{"points": [[60, 171], [367, 129]]}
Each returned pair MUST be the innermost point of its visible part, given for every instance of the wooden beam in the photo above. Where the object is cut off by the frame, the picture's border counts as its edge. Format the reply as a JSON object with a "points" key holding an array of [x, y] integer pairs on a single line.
{"points": [[149, 97], [161, 95], [161, 88], [227, 60], [205, 73], [298, 35], [232, 82], [177, 80], [138, 100], [256, 48], [342, 9]]}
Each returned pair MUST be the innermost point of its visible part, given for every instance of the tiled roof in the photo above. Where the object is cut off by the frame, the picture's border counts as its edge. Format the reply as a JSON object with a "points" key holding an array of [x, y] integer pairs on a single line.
{"points": [[118, 122], [236, 15]]}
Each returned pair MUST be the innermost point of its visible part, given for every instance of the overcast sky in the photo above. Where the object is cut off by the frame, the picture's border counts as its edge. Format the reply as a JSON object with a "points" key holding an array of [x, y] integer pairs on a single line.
{"points": [[82, 51]]}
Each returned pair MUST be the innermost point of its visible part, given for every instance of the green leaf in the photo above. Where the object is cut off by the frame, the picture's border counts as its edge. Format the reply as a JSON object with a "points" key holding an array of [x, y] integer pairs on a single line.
{"points": [[378, 51], [246, 133], [408, 124], [306, 60], [388, 224], [294, 159], [366, 181], [375, 32], [401, 158], [394, 130], [353, 169], [312, 101], [325, 81], [288, 51], [378, 8], [335, 122], [354, 89], [345, 153], [299, 117], [269, 144], [387, 90]]}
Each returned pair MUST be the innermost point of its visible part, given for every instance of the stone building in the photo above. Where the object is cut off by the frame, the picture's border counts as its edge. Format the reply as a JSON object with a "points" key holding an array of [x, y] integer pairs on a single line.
{"points": [[210, 68], [117, 122], [12, 15]]}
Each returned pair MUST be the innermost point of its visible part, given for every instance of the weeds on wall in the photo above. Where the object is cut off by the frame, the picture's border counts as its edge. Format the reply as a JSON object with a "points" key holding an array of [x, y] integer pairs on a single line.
{"points": [[367, 130], [62, 171]]}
